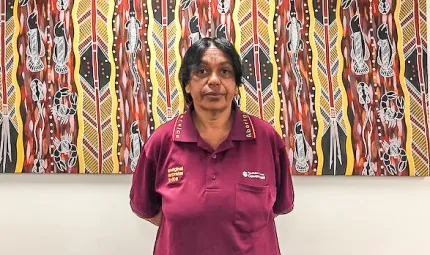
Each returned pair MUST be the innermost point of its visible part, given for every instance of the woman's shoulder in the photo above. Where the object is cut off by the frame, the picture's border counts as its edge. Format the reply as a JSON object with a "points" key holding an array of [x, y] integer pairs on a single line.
{"points": [[161, 136], [265, 130]]}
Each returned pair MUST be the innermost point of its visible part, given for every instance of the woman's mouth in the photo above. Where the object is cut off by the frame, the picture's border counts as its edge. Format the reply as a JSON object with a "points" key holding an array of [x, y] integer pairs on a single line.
{"points": [[213, 94]]}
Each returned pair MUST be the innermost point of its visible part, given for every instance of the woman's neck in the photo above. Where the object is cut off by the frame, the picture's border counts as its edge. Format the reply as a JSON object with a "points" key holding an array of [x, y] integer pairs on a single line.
{"points": [[205, 120]]}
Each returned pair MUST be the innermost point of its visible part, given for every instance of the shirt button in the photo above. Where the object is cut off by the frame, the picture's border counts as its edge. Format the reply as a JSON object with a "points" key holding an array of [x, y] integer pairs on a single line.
{"points": [[214, 156], [213, 177]]}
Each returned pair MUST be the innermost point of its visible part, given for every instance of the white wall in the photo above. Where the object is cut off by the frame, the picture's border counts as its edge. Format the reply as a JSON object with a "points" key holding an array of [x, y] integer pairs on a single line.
{"points": [[89, 215]]}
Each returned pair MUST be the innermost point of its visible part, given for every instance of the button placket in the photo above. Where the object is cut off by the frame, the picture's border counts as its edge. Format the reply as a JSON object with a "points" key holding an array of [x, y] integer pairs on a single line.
{"points": [[211, 171], [213, 156]]}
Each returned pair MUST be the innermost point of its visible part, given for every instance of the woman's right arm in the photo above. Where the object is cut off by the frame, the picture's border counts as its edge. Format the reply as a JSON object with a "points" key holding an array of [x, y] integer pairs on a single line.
{"points": [[145, 202]]}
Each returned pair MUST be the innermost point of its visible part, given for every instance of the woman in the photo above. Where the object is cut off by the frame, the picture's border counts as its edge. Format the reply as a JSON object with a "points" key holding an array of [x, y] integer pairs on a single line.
{"points": [[214, 178]]}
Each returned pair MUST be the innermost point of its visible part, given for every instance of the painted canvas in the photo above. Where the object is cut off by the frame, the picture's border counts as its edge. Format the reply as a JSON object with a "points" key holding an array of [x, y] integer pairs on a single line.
{"points": [[85, 83]]}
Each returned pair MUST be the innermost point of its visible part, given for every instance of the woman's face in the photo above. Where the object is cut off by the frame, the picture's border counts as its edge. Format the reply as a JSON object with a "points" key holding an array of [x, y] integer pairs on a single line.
{"points": [[212, 85]]}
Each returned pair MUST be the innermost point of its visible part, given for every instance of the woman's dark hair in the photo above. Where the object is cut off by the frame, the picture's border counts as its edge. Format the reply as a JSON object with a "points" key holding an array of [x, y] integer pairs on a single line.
{"points": [[193, 57]]}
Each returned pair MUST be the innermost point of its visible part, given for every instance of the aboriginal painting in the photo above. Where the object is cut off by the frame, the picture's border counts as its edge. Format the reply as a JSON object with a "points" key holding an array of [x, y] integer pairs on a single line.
{"points": [[85, 83]]}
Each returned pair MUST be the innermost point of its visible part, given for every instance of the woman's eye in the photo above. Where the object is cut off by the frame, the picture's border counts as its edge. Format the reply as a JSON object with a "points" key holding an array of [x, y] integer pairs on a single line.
{"points": [[226, 71]]}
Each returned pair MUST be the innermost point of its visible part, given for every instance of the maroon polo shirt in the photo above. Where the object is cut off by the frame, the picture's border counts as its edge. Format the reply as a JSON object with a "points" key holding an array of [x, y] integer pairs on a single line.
{"points": [[214, 202]]}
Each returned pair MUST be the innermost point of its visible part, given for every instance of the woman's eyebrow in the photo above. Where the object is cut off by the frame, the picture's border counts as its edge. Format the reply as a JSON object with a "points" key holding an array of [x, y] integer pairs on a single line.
{"points": [[226, 64], [204, 62]]}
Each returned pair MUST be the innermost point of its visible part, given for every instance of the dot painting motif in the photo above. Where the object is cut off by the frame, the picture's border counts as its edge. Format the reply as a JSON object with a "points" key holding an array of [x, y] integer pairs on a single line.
{"points": [[85, 83]]}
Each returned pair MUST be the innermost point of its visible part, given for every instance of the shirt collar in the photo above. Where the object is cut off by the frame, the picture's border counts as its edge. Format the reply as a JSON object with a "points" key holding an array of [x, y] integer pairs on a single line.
{"points": [[185, 131]]}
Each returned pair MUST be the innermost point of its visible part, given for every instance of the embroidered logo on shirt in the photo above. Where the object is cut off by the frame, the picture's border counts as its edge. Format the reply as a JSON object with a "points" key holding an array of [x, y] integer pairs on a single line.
{"points": [[178, 126], [254, 175], [248, 130], [175, 173]]}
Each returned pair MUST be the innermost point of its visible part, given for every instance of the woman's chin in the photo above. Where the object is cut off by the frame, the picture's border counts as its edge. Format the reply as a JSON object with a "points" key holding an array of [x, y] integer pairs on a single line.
{"points": [[213, 105]]}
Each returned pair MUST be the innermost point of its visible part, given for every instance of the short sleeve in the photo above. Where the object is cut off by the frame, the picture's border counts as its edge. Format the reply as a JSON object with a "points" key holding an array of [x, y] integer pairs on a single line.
{"points": [[144, 200], [285, 192]]}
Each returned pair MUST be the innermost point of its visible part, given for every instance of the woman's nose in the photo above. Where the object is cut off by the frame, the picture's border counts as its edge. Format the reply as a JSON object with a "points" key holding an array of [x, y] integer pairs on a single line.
{"points": [[213, 79]]}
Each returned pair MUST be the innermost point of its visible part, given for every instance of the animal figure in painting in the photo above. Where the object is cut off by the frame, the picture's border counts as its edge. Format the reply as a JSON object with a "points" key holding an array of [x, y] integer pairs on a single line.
{"points": [[136, 143], [133, 44], [35, 49], [294, 45], [61, 49], [359, 52], [302, 150], [385, 52]]}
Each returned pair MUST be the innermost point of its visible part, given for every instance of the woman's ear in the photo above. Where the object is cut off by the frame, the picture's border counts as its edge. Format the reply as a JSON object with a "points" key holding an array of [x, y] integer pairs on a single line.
{"points": [[187, 88]]}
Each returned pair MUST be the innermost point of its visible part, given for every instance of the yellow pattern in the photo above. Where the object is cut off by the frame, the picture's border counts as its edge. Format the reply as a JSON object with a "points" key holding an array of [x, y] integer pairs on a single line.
{"points": [[102, 30], [271, 107], [157, 56], [112, 133], [423, 28], [407, 116], [235, 18], [11, 100], [274, 106], [315, 54], [108, 106], [423, 7], [408, 32], [105, 6], [322, 84], [252, 106], [344, 97], [246, 28], [81, 8], [19, 144], [415, 108], [181, 98], [10, 27], [421, 167], [405, 9], [85, 28], [79, 146], [240, 10], [423, 32], [269, 115], [244, 8], [263, 31], [422, 142]]}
